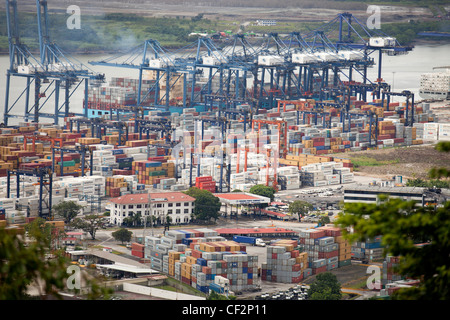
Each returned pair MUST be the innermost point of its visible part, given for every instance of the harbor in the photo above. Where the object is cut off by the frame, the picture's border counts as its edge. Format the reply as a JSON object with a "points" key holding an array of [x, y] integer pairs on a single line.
{"points": [[128, 136]]}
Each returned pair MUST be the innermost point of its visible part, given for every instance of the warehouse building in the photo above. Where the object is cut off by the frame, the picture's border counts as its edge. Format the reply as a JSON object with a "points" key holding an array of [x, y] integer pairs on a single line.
{"points": [[176, 205], [369, 194], [237, 199]]}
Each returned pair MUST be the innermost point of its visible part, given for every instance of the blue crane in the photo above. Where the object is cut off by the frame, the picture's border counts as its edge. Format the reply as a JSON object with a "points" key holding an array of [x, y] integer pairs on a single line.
{"points": [[22, 64], [63, 69], [166, 71]]}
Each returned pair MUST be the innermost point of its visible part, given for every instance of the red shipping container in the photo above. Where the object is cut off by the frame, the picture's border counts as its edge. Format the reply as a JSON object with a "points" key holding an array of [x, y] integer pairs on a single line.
{"points": [[296, 267], [206, 270], [158, 159], [327, 255], [317, 234], [138, 254], [65, 158], [196, 253], [137, 247], [319, 270], [203, 179]]}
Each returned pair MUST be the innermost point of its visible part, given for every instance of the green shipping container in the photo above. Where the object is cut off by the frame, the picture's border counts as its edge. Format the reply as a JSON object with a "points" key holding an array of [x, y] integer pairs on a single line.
{"points": [[157, 173], [344, 263], [67, 163]]}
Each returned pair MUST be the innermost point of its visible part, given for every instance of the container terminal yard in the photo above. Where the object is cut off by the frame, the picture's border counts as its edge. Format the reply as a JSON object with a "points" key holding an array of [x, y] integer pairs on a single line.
{"points": [[220, 117]]}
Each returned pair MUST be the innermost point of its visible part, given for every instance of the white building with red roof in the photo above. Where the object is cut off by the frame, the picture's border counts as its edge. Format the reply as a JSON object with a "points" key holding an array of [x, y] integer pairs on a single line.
{"points": [[177, 205]]}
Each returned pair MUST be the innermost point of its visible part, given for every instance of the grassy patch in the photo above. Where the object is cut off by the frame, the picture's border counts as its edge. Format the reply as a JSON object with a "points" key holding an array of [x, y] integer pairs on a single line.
{"points": [[364, 161]]}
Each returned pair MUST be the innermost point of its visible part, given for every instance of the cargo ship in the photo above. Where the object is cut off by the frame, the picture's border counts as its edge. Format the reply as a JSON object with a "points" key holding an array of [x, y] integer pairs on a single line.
{"points": [[119, 93], [122, 93], [435, 85]]}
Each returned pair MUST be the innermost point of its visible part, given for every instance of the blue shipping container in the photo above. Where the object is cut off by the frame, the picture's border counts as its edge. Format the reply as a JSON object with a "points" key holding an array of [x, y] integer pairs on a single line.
{"points": [[117, 151]]}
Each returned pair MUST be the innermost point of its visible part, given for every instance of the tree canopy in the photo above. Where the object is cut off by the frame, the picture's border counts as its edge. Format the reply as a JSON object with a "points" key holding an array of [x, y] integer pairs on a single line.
{"points": [[418, 235], [89, 224], [207, 206], [67, 210], [300, 207], [122, 235], [325, 287], [264, 191], [23, 264]]}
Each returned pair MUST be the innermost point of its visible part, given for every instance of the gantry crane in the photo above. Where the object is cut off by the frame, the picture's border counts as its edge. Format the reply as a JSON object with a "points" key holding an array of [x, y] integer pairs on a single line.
{"points": [[45, 178], [38, 137], [282, 133], [22, 64]]}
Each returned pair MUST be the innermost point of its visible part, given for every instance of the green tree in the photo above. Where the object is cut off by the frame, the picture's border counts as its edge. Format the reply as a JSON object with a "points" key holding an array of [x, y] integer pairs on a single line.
{"points": [[403, 225], [39, 228], [264, 191], [438, 173], [324, 220], [325, 287], [122, 235], [216, 296], [23, 264], [207, 206], [300, 207], [67, 210], [89, 224]]}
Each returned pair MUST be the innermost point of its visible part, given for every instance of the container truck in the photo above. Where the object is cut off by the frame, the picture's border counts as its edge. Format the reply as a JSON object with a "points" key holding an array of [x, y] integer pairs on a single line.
{"points": [[250, 240]]}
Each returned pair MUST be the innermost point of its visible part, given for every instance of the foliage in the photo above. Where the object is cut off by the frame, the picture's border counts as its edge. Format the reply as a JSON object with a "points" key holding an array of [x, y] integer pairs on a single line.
{"points": [[324, 220], [67, 210], [216, 296], [23, 264], [207, 206], [427, 183], [325, 287], [403, 226], [31, 263], [39, 228], [133, 220], [111, 32], [122, 235], [89, 224], [264, 191], [438, 173], [300, 207], [364, 161]]}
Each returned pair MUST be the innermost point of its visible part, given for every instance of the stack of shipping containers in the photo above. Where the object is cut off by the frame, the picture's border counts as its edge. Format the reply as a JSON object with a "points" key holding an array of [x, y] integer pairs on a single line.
{"points": [[326, 248], [284, 263], [369, 250], [197, 256]]}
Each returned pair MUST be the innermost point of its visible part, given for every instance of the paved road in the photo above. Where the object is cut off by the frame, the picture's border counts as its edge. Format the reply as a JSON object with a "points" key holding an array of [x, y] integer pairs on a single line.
{"points": [[105, 238]]}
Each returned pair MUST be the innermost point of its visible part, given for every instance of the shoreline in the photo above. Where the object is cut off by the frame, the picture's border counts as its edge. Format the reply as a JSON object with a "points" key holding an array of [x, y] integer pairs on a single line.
{"points": [[416, 42]]}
